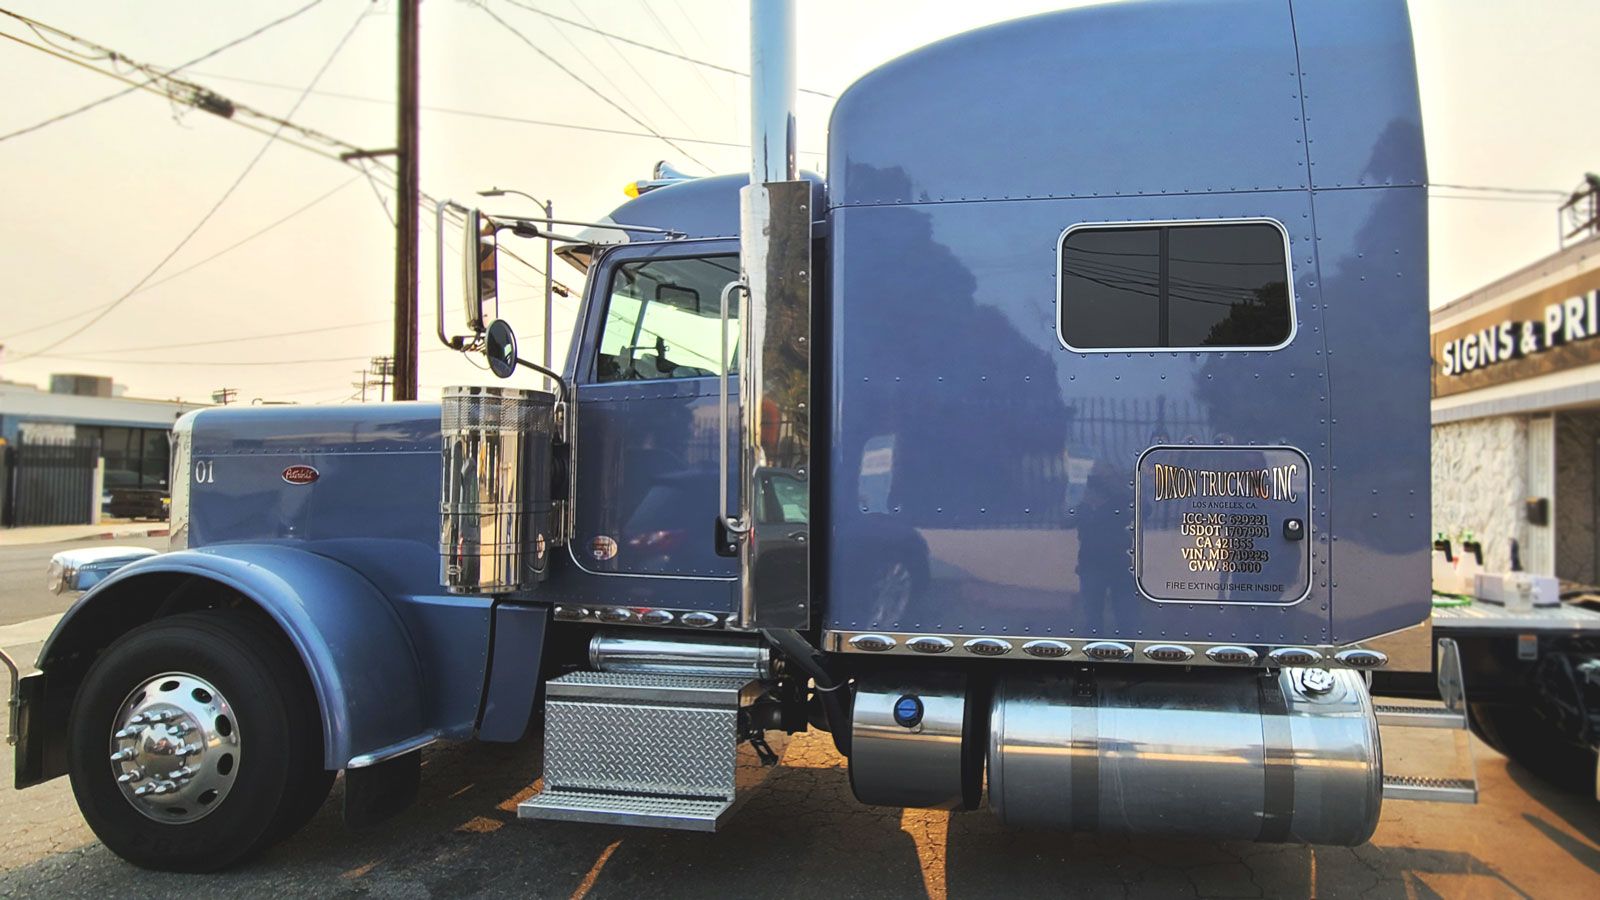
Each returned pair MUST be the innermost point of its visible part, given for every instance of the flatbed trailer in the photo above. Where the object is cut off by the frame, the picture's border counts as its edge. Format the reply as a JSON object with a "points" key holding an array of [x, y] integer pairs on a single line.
{"points": [[1480, 619], [1533, 679]]}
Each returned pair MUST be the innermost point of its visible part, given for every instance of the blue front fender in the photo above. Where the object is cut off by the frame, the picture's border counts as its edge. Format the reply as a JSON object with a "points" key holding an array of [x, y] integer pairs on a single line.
{"points": [[356, 649]]}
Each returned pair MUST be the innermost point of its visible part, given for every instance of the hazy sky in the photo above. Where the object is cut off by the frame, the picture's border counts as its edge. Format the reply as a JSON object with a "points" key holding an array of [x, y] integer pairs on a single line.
{"points": [[94, 202]]}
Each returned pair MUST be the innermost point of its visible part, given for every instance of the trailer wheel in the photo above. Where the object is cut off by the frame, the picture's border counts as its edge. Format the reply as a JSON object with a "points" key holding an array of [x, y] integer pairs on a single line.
{"points": [[1535, 742], [195, 742]]}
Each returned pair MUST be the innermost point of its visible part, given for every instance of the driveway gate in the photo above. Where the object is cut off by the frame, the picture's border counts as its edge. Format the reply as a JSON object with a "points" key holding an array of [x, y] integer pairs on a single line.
{"points": [[49, 484]]}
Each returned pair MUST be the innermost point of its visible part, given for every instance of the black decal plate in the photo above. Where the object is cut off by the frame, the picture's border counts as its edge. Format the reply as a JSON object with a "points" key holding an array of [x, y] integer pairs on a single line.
{"points": [[1210, 525]]}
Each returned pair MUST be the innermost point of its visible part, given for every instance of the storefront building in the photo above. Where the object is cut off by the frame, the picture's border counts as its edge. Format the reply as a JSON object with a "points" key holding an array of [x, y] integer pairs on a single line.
{"points": [[1516, 416], [132, 433]]}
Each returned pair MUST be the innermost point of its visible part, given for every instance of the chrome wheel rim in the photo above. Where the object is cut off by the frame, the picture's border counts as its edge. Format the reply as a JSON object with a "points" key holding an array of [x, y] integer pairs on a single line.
{"points": [[175, 748]]}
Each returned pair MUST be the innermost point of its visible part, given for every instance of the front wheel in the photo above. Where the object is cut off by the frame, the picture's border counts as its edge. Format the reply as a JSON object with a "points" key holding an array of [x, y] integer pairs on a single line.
{"points": [[195, 742]]}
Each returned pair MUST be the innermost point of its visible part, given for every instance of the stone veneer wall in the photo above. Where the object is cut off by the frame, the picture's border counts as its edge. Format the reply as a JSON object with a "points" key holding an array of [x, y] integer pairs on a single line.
{"points": [[1576, 437], [1479, 483]]}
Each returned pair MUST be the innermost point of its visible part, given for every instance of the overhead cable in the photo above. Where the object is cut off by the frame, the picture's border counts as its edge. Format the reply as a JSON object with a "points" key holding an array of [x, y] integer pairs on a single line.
{"points": [[496, 117], [195, 265], [651, 47], [166, 73], [98, 317], [575, 77]]}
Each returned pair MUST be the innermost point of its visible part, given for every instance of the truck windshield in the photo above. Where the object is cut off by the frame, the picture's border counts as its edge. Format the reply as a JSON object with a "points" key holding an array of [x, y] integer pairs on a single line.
{"points": [[663, 320]]}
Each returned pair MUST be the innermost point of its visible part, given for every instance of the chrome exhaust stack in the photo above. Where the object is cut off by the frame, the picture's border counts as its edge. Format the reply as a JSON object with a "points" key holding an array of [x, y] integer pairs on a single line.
{"points": [[775, 214], [1285, 756]]}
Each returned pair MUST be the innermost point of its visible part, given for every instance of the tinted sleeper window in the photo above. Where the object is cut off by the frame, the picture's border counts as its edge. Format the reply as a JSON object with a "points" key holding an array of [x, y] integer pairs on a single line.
{"points": [[1221, 285]]}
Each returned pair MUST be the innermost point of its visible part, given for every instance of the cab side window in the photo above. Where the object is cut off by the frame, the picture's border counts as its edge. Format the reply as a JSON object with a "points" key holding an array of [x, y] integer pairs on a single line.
{"points": [[663, 320]]}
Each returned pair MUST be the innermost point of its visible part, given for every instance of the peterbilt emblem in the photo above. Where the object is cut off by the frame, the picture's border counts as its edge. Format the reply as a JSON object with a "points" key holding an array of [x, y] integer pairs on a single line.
{"points": [[301, 474], [603, 547]]}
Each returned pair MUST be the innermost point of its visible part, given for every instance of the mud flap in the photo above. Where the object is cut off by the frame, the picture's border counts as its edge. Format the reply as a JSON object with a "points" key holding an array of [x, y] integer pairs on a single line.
{"points": [[376, 792]]}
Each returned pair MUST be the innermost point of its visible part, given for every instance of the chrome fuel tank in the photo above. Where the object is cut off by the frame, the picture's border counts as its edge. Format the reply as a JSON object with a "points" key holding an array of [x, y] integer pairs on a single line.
{"points": [[1291, 755]]}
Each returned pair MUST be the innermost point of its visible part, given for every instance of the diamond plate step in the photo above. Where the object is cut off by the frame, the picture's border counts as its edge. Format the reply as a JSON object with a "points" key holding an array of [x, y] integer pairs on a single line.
{"points": [[641, 749], [1413, 716], [632, 809], [1438, 790]]}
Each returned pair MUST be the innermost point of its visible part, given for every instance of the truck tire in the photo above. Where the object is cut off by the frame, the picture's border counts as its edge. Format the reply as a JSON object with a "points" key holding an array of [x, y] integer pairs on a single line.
{"points": [[214, 742], [1534, 742]]}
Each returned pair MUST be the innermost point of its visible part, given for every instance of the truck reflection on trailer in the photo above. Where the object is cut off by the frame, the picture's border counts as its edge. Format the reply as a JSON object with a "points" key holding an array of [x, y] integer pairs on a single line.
{"points": [[1054, 259]]}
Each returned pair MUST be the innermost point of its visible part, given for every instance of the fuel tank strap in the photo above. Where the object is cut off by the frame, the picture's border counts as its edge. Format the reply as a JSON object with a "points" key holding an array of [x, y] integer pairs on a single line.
{"points": [[1085, 779], [1277, 741]]}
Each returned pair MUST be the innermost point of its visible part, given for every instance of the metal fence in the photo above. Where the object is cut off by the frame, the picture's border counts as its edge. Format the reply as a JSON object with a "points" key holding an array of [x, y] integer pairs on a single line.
{"points": [[49, 483]]}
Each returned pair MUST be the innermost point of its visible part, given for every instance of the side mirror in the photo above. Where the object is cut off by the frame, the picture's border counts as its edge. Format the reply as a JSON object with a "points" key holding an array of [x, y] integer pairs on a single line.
{"points": [[500, 348], [480, 261]]}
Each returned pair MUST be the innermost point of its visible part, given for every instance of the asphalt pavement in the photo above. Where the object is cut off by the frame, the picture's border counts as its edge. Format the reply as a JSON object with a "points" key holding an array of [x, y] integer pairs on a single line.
{"points": [[802, 834], [22, 593]]}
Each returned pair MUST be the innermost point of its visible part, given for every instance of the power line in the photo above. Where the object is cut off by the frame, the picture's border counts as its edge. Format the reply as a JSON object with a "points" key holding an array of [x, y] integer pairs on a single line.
{"points": [[190, 268], [684, 17], [169, 72], [651, 47], [634, 69], [497, 117], [575, 77], [623, 95], [239, 340], [221, 362], [193, 100], [1543, 201], [192, 362], [198, 96], [214, 207], [1497, 189]]}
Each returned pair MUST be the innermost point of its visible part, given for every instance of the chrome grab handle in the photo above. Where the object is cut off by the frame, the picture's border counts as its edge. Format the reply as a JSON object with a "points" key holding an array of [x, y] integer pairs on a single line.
{"points": [[733, 524]]}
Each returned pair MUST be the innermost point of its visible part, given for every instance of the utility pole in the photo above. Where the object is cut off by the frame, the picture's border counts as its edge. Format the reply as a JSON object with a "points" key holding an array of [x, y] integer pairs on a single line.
{"points": [[405, 257], [363, 384], [383, 370], [223, 396]]}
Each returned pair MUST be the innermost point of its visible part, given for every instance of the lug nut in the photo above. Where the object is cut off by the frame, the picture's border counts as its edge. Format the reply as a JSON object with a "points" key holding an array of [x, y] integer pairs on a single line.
{"points": [[130, 731], [183, 773], [188, 750], [180, 729], [131, 777], [123, 755]]}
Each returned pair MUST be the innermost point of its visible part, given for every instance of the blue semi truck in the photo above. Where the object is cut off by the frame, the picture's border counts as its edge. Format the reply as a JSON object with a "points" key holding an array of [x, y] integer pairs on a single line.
{"points": [[1065, 450]]}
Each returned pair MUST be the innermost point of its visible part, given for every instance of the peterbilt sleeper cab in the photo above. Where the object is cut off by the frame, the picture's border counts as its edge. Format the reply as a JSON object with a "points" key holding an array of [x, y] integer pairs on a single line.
{"points": [[1066, 447]]}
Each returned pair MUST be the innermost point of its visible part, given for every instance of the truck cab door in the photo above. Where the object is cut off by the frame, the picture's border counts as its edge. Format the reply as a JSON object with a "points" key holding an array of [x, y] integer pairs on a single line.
{"points": [[647, 422]]}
